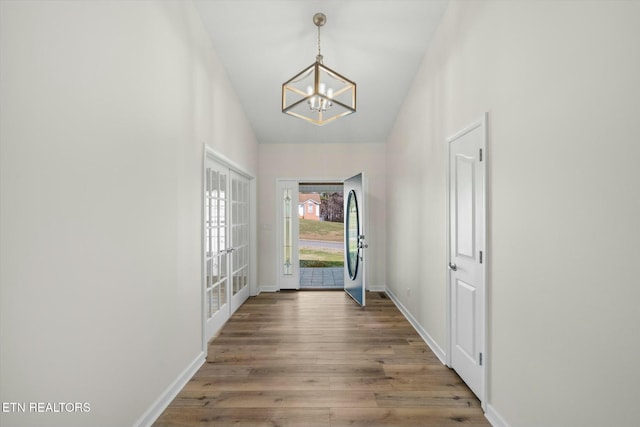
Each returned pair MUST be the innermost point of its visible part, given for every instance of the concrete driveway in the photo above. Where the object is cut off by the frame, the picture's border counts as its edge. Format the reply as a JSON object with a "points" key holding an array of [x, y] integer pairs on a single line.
{"points": [[321, 244]]}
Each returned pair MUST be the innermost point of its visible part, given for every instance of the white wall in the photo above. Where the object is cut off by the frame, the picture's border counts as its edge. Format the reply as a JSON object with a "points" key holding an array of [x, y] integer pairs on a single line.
{"points": [[326, 161], [105, 108], [560, 82]]}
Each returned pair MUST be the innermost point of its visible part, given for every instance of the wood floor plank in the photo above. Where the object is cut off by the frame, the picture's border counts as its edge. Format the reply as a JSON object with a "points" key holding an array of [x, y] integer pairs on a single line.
{"points": [[421, 398], [248, 417], [407, 417], [259, 383], [353, 369], [284, 399], [377, 383], [315, 359]]}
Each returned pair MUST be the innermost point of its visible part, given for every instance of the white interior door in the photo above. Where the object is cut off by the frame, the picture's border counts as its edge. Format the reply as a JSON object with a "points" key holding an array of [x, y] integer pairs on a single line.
{"points": [[467, 254], [239, 248], [354, 239], [216, 253]]}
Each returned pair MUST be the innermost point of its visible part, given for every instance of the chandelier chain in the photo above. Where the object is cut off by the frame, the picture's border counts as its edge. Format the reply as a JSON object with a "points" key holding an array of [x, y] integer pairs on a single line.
{"points": [[319, 53]]}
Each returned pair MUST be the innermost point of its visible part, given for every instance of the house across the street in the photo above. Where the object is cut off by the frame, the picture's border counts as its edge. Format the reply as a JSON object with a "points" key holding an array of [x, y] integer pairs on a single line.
{"points": [[309, 206]]}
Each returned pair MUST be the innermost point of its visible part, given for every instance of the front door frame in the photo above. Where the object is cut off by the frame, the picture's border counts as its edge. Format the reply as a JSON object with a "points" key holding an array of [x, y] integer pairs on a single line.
{"points": [[281, 183], [483, 124]]}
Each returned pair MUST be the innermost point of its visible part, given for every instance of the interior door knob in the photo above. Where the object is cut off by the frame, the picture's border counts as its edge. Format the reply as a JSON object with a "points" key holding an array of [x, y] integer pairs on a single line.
{"points": [[453, 267]]}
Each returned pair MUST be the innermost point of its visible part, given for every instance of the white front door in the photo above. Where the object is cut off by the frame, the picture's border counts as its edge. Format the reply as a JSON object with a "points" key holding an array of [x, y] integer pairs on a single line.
{"points": [[467, 258], [354, 239]]}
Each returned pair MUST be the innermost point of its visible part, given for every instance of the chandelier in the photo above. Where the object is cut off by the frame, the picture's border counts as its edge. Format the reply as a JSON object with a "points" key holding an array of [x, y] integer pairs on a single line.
{"points": [[318, 94]]}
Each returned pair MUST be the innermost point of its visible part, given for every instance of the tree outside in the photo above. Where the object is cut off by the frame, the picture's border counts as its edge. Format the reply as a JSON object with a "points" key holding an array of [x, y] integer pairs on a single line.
{"points": [[332, 207]]}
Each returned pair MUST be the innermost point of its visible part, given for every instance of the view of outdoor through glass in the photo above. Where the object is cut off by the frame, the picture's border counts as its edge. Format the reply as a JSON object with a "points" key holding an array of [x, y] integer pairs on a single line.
{"points": [[353, 229]]}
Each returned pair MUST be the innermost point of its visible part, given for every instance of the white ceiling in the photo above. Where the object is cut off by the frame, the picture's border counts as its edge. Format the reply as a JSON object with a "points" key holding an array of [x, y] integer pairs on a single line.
{"points": [[379, 44]]}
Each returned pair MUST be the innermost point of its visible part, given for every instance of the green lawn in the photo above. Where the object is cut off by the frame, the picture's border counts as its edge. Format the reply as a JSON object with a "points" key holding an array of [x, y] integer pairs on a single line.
{"points": [[321, 258], [321, 230]]}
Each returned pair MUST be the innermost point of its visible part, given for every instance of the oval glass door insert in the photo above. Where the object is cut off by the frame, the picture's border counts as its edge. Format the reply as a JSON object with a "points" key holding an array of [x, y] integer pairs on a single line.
{"points": [[353, 231]]}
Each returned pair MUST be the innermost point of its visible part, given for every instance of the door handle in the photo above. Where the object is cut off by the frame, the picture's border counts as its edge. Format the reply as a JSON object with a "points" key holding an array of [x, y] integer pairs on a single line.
{"points": [[453, 267]]}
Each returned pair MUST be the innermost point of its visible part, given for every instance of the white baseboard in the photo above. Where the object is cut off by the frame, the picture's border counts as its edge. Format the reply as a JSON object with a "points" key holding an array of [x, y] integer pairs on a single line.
{"points": [[494, 418], [156, 409], [275, 288], [437, 350]]}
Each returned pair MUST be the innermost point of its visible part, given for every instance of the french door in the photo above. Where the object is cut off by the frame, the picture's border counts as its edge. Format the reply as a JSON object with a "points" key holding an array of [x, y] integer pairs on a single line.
{"points": [[239, 247], [354, 239], [216, 286], [467, 257], [226, 244]]}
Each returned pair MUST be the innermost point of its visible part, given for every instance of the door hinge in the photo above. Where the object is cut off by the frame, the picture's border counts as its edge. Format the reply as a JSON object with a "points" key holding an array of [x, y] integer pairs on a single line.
{"points": [[480, 257], [481, 154], [480, 359]]}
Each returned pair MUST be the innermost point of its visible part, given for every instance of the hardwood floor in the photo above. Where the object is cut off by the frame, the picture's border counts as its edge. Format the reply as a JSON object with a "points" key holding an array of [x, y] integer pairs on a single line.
{"points": [[311, 359]]}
